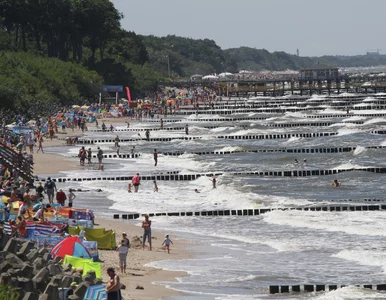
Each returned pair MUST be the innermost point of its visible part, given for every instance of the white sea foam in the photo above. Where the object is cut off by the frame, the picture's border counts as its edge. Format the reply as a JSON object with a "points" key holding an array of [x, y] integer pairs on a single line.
{"points": [[354, 118], [220, 129], [347, 131], [350, 292], [347, 166], [293, 139], [230, 148], [369, 257], [359, 150], [379, 121], [332, 222]]}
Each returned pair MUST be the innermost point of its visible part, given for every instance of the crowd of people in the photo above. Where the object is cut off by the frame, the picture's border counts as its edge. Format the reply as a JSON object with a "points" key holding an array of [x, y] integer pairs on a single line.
{"points": [[28, 201]]}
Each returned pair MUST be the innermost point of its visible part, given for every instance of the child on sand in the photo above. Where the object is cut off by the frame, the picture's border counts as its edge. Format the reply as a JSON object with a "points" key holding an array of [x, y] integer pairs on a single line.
{"points": [[122, 250], [167, 242]]}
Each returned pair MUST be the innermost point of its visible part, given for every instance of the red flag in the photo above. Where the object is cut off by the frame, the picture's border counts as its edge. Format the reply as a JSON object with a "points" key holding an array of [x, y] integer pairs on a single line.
{"points": [[128, 94]]}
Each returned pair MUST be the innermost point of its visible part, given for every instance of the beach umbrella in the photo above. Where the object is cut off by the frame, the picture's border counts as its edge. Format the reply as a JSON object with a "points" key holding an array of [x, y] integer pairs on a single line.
{"points": [[70, 246], [209, 77], [95, 292]]}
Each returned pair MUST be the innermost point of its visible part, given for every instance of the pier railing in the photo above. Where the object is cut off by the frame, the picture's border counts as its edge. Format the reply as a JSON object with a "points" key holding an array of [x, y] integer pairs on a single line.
{"points": [[16, 161]]}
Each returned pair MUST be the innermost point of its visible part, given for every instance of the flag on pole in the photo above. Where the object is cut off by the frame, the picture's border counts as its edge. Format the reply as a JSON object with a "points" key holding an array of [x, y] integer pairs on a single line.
{"points": [[128, 94]]}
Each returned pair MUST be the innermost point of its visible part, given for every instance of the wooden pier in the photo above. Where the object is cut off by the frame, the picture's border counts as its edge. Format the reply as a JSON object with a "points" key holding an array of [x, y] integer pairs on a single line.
{"points": [[363, 84]]}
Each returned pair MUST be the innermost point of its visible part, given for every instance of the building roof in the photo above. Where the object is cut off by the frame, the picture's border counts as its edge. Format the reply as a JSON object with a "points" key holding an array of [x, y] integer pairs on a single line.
{"points": [[319, 66]]}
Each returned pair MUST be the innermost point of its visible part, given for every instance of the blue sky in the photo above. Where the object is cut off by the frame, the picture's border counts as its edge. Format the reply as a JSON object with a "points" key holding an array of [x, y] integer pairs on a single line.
{"points": [[340, 27]]}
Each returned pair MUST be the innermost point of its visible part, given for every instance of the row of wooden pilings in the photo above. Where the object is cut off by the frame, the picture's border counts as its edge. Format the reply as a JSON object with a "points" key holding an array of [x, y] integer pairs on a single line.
{"points": [[276, 289], [250, 212], [175, 176]]}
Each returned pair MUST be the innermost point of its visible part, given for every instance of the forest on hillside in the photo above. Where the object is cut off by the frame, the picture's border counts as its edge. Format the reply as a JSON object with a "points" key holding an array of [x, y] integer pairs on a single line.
{"points": [[63, 51]]}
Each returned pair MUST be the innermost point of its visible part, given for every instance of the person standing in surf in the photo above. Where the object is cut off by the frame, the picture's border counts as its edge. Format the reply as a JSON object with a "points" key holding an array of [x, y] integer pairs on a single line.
{"points": [[155, 154], [136, 181], [213, 181]]}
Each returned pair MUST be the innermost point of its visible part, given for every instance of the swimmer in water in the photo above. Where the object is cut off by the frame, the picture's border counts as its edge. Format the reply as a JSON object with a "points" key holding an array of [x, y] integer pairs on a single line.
{"points": [[296, 161], [196, 190], [336, 183]]}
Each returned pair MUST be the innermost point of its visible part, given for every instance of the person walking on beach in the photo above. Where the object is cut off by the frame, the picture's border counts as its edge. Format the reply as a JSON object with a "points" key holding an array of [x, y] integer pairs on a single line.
{"points": [[71, 197], [167, 242], [113, 285], [89, 155], [100, 155], [155, 154], [116, 142], [39, 191], [146, 225], [136, 181], [82, 156], [50, 188], [122, 250], [40, 145], [61, 197]]}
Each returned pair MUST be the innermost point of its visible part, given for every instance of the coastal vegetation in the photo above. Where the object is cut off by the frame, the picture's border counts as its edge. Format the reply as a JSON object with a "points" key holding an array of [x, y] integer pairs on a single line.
{"points": [[7, 292], [63, 51]]}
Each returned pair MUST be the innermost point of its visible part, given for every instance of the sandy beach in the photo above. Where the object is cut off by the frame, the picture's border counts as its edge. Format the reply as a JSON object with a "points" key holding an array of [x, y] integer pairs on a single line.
{"points": [[137, 273]]}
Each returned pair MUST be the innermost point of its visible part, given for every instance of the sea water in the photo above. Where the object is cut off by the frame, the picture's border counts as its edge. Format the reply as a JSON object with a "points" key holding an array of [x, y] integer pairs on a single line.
{"points": [[240, 257]]}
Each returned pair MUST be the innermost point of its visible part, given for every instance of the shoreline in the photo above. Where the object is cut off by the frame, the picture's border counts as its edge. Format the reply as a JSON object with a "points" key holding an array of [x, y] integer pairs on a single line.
{"points": [[137, 274]]}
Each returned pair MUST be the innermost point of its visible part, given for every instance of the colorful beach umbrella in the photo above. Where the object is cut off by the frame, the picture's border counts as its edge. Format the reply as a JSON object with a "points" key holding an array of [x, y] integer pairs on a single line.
{"points": [[70, 246], [95, 292]]}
